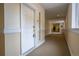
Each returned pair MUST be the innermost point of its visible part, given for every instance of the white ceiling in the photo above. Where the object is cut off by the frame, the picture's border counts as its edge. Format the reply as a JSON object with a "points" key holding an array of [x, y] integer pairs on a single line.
{"points": [[54, 9]]}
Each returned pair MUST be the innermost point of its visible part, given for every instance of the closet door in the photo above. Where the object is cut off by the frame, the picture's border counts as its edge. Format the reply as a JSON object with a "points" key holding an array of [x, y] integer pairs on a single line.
{"points": [[27, 23]]}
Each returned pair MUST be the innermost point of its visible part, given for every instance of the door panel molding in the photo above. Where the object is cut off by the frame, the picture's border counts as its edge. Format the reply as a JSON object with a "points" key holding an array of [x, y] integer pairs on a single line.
{"points": [[28, 27]]}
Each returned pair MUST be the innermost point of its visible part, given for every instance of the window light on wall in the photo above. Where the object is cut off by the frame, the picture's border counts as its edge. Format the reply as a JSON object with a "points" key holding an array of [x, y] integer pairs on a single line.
{"points": [[75, 15]]}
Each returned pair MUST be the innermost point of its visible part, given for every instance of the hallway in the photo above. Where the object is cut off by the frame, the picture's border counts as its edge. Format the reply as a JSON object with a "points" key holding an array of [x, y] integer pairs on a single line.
{"points": [[48, 26], [55, 45]]}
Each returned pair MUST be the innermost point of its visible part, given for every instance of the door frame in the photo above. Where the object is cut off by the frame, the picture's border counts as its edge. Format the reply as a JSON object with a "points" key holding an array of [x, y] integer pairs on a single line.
{"points": [[27, 5]]}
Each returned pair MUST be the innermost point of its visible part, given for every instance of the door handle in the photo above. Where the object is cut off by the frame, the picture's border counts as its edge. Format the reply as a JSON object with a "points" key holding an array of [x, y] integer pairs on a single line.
{"points": [[33, 35]]}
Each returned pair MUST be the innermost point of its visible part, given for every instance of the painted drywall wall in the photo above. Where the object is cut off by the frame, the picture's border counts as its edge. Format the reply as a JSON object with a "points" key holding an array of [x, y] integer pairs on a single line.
{"points": [[68, 22], [12, 44], [70, 18], [47, 29], [2, 44], [73, 42], [12, 29], [71, 36]]}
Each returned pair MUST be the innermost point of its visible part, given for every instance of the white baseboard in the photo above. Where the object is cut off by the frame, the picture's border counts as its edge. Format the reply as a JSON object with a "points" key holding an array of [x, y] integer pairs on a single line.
{"points": [[70, 50], [26, 53], [40, 43]]}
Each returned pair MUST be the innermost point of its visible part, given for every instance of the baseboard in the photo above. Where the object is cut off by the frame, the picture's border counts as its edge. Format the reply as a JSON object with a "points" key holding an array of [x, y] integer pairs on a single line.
{"points": [[40, 43], [26, 53], [47, 34], [53, 33], [71, 52]]}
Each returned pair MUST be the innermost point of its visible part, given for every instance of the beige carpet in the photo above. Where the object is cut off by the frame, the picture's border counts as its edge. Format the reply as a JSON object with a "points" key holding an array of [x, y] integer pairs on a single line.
{"points": [[55, 45]]}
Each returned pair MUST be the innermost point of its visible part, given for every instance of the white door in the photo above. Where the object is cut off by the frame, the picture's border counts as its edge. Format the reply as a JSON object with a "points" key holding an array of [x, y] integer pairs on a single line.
{"points": [[27, 23]]}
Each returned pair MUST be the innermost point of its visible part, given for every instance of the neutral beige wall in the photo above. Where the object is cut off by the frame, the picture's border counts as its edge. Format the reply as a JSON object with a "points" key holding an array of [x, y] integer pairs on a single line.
{"points": [[72, 37], [2, 44], [69, 17], [68, 20], [12, 29], [46, 27], [12, 44], [68, 24], [73, 42]]}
